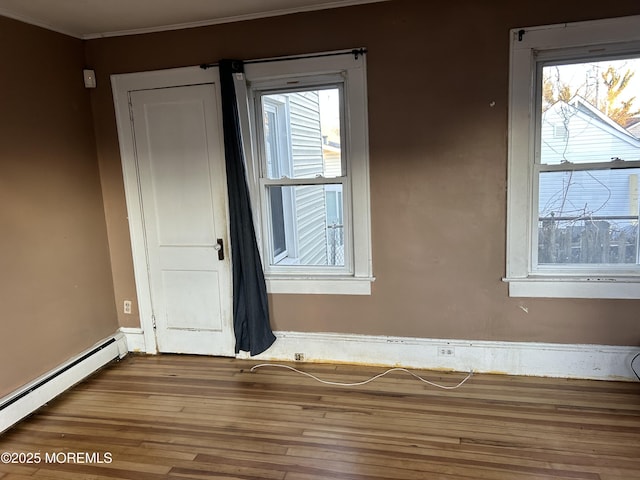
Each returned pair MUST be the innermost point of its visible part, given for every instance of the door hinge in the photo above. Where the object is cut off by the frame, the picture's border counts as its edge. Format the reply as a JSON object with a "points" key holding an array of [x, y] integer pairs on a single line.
{"points": [[153, 321]]}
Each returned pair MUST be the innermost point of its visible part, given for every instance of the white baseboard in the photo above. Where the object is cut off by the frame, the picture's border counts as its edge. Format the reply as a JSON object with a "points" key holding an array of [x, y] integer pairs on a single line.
{"points": [[24, 401], [135, 339], [599, 362]]}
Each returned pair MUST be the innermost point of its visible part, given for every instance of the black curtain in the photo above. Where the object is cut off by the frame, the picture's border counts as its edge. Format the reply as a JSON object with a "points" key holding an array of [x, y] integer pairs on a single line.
{"points": [[250, 305]]}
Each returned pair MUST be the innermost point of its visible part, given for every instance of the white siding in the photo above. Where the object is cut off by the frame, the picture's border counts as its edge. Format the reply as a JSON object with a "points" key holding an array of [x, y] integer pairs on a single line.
{"points": [[332, 162], [596, 192], [587, 138], [306, 152]]}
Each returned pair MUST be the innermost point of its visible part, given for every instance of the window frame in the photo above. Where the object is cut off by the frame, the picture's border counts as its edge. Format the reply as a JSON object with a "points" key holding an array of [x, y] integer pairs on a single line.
{"points": [[529, 47], [319, 70]]}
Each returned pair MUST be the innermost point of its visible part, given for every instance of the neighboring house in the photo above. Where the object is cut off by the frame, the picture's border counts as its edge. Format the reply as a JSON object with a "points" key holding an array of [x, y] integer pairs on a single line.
{"points": [[587, 198], [580, 133], [633, 127], [332, 156]]}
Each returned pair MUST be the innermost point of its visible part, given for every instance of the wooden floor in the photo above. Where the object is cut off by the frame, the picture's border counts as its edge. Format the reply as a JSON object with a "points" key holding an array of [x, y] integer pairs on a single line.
{"points": [[184, 417]]}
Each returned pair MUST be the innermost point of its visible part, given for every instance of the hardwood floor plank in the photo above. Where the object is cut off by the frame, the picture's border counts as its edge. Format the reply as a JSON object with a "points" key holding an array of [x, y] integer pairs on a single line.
{"points": [[17, 469], [420, 463], [506, 454], [189, 417]]}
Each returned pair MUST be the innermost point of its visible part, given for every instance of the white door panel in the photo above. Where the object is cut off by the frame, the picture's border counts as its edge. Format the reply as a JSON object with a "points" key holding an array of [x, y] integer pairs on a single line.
{"points": [[180, 160], [192, 300]]}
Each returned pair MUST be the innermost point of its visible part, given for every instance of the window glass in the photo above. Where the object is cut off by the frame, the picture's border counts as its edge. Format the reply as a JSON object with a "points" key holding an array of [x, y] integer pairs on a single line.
{"points": [[590, 111], [588, 217], [302, 139], [588, 214], [306, 225], [302, 134]]}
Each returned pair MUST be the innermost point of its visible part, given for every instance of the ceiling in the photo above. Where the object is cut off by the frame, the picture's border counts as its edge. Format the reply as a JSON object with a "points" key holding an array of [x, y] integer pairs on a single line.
{"points": [[105, 18]]}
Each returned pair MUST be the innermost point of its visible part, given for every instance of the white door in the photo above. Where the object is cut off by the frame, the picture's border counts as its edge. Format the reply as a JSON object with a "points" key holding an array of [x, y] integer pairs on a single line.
{"points": [[182, 185]]}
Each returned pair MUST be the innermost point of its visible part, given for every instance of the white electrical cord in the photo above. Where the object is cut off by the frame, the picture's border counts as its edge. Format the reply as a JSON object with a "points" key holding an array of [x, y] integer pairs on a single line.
{"points": [[364, 382]]}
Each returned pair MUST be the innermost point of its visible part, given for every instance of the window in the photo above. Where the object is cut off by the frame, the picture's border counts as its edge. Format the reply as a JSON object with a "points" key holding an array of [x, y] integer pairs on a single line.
{"points": [[309, 174], [574, 161]]}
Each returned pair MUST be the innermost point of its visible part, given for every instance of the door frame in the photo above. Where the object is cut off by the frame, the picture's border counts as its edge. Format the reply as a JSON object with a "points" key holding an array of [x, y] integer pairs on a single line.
{"points": [[122, 85]]}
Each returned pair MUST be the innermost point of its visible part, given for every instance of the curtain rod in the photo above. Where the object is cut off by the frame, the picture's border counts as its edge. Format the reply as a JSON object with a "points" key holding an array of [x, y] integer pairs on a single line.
{"points": [[356, 52]]}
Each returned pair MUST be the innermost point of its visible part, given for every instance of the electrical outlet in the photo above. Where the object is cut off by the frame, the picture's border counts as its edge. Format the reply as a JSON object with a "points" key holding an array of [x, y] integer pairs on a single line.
{"points": [[127, 307], [298, 357], [446, 352]]}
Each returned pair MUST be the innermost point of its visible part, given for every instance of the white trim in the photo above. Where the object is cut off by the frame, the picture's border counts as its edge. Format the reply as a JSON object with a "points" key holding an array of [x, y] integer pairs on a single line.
{"points": [[598, 362], [59, 383], [612, 36], [181, 26], [578, 34], [135, 339], [614, 288], [356, 190], [319, 285], [230, 19]]}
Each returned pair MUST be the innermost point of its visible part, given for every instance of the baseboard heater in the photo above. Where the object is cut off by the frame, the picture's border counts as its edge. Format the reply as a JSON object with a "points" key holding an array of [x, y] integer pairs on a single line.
{"points": [[29, 398]]}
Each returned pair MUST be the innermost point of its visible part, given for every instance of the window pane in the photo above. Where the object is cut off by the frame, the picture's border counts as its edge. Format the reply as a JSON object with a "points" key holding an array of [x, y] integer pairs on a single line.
{"points": [[590, 112], [302, 134], [274, 156], [278, 234], [306, 225], [588, 217]]}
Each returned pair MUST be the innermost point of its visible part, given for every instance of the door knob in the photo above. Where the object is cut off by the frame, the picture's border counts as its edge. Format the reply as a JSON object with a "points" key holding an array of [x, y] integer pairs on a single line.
{"points": [[219, 247]]}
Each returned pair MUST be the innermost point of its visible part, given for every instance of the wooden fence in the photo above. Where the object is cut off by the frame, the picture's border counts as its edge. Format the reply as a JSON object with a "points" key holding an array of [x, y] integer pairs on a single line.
{"points": [[586, 241]]}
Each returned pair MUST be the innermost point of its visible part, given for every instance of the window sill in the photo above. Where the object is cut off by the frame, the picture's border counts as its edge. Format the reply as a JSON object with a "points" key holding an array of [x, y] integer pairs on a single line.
{"points": [[573, 287], [321, 285]]}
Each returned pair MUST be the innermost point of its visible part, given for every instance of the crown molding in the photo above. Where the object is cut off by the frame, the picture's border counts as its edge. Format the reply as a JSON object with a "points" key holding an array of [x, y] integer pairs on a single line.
{"points": [[181, 26]]}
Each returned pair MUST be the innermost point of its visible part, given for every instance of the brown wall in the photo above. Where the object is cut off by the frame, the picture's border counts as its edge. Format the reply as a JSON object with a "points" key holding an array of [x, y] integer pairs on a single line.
{"points": [[438, 165], [56, 287]]}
